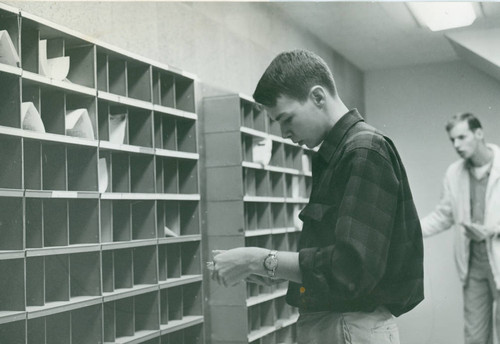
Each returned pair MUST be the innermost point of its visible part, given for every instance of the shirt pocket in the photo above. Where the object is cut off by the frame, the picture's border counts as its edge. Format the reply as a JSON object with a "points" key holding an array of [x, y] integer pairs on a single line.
{"points": [[385, 334], [320, 219], [318, 212]]}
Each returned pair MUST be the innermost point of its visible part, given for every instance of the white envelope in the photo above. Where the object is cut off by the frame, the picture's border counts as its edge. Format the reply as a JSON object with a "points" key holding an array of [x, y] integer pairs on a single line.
{"points": [[117, 127], [56, 68], [8, 53], [30, 118], [103, 175], [78, 124]]}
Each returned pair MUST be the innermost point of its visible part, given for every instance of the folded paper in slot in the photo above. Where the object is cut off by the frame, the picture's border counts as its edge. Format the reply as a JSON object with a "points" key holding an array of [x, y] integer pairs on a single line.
{"points": [[78, 124], [103, 175], [170, 233], [56, 68], [297, 222], [295, 187], [306, 163], [262, 150], [8, 53], [30, 118], [117, 126]]}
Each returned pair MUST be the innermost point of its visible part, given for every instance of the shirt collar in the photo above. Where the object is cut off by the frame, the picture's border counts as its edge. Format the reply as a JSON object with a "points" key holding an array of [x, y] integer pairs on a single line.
{"points": [[479, 172], [334, 137]]}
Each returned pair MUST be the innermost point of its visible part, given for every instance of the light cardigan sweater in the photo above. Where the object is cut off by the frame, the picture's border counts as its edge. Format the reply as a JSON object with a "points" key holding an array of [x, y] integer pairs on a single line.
{"points": [[454, 208]]}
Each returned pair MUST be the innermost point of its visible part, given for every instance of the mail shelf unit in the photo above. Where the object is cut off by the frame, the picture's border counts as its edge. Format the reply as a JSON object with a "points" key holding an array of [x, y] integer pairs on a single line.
{"points": [[179, 261], [152, 194], [12, 298], [11, 219], [132, 319], [11, 198], [123, 124], [181, 217], [59, 163], [132, 314], [129, 171], [14, 331], [123, 220], [61, 192], [10, 96], [180, 305], [9, 21], [178, 134], [180, 288], [150, 222], [129, 269], [11, 155], [250, 202], [193, 335], [58, 283], [81, 325], [60, 43], [136, 80], [53, 223], [63, 111], [176, 175], [173, 90], [105, 215], [10, 71], [175, 121]]}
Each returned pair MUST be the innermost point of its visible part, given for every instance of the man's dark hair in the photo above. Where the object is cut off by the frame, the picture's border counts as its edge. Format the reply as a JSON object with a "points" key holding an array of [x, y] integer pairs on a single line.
{"points": [[468, 117], [293, 73]]}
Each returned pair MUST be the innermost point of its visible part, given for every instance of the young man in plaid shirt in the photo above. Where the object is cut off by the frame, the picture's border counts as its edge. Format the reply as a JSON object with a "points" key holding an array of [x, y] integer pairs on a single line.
{"points": [[360, 257]]}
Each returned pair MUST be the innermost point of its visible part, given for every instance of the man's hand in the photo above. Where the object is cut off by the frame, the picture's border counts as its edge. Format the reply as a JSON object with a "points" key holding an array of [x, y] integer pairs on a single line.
{"points": [[477, 232], [233, 266]]}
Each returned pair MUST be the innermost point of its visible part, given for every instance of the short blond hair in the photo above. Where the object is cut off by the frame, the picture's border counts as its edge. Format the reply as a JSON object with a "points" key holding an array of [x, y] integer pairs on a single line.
{"points": [[468, 117]]}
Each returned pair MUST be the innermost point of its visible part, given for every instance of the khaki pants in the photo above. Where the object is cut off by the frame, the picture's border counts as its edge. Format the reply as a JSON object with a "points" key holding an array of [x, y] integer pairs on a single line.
{"points": [[480, 294], [377, 327]]}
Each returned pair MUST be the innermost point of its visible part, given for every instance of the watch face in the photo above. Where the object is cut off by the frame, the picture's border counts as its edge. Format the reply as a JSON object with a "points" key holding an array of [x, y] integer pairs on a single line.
{"points": [[271, 263]]}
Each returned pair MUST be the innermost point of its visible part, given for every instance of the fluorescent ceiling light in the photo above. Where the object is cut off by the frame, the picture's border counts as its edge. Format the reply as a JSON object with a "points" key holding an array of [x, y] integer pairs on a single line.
{"points": [[443, 15]]}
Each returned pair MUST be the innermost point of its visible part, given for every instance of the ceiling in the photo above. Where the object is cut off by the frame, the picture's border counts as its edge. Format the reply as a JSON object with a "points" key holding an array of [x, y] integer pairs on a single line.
{"points": [[380, 35]]}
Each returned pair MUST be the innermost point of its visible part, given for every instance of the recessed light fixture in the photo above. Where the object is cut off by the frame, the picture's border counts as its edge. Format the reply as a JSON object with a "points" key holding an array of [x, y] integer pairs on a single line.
{"points": [[443, 15]]}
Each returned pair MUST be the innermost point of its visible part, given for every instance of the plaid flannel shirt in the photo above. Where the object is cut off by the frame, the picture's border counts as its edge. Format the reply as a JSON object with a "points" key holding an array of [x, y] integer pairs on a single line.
{"points": [[361, 244]]}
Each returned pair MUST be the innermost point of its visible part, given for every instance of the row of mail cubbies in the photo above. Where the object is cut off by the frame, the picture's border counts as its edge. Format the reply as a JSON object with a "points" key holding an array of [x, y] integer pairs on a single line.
{"points": [[100, 238], [256, 184]]}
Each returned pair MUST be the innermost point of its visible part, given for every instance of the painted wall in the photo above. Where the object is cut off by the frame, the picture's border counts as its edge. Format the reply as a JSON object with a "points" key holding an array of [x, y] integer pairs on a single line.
{"points": [[411, 106], [227, 45]]}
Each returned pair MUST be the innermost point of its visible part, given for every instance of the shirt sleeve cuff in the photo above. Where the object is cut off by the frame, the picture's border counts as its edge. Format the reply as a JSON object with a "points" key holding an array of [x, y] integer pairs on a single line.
{"points": [[311, 275]]}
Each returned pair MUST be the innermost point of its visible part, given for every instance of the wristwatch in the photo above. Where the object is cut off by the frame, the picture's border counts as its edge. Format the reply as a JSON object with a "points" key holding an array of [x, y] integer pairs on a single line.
{"points": [[271, 263]]}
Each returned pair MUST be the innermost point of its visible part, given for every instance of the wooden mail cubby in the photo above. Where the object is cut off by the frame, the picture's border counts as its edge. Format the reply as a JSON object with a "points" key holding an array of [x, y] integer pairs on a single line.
{"points": [[100, 238], [250, 204]]}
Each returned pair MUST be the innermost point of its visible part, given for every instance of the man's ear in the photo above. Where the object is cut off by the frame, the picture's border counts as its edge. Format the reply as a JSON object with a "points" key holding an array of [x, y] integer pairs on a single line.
{"points": [[479, 134], [317, 95]]}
